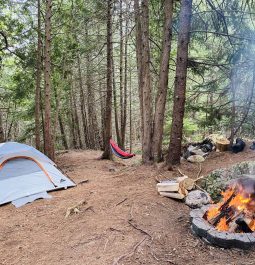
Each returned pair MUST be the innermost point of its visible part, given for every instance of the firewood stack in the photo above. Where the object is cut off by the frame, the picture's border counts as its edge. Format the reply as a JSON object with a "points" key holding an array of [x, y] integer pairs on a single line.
{"points": [[177, 188]]}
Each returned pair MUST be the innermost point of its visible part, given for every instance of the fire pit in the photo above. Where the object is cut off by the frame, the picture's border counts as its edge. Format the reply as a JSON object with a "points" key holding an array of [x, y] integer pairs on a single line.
{"points": [[231, 222]]}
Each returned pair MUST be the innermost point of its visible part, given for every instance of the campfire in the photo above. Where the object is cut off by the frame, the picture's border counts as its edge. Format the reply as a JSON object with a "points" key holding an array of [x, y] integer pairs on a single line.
{"points": [[235, 213]]}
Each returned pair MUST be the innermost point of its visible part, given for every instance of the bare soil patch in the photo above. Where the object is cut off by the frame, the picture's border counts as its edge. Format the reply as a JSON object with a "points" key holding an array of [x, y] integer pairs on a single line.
{"points": [[124, 220]]}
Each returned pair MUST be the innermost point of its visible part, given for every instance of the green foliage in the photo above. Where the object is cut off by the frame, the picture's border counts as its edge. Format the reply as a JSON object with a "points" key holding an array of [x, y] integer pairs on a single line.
{"points": [[79, 30]]}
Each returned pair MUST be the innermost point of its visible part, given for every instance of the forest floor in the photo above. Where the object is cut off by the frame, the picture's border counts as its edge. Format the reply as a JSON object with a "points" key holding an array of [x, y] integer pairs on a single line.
{"points": [[124, 221]]}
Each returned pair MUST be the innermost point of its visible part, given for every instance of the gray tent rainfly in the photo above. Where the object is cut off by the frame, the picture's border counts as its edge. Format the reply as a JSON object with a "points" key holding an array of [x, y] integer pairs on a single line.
{"points": [[26, 174]]}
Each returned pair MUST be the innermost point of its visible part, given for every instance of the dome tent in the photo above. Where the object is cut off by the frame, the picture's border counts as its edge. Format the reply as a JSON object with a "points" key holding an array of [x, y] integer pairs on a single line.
{"points": [[26, 174]]}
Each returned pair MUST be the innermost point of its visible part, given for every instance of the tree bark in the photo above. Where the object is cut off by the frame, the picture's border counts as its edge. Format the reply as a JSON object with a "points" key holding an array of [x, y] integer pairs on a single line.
{"points": [[121, 75], [102, 113], [83, 107], [108, 111], [92, 115], [57, 107], [1, 128], [77, 130], [248, 105], [49, 145], [38, 79], [130, 113], [42, 116], [62, 131], [174, 151], [138, 31], [233, 108], [124, 113], [163, 83], [73, 139], [146, 85], [116, 116]]}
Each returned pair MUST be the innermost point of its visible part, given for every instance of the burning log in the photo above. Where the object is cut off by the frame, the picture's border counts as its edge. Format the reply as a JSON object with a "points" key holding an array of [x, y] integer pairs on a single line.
{"points": [[235, 213], [226, 213], [232, 222], [242, 226], [223, 211]]}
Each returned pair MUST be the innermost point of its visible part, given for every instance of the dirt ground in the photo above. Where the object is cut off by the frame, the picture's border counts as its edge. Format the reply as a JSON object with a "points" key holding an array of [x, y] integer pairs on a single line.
{"points": [[124, 221]]}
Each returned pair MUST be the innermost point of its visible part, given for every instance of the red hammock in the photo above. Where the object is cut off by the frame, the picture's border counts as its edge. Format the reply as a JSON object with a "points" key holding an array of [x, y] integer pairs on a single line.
{"points": [[118, 152]]}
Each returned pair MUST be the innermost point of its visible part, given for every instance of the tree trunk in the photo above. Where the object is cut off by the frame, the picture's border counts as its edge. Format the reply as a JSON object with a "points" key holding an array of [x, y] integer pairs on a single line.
{"points": [[138, 31], [163, 83], [233, 108], [57, 104], [62, 131], [146, 85], [75, 115], [174, 151], [124, 113], [82, 106], [130, 113], [116, 116], [248, 105], [92, 116], [72, 127], [102, 113], [42, 116], [211, 110], [121, 73], [38, 79], [108, 111], [1, 128], [49, 145]]}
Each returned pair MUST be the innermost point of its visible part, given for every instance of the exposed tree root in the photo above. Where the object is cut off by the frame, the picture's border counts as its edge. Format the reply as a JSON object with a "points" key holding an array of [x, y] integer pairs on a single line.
{"points": [[130, 254]]}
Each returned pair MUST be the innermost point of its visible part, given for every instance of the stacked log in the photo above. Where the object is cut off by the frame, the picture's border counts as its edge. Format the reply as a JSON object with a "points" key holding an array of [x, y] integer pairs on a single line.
{"points": [[176, 189]]}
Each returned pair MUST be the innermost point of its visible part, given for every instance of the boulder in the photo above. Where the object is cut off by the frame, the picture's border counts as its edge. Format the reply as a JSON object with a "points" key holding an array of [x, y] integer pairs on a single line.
{"points": [[195, 159], [199, 152], [197, 198]]}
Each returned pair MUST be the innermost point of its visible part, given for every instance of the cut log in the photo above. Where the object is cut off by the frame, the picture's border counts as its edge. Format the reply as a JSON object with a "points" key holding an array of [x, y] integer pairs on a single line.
{"points": [[186, 182], [222, 145], [174, 195], [174, 185], [170, 185]]}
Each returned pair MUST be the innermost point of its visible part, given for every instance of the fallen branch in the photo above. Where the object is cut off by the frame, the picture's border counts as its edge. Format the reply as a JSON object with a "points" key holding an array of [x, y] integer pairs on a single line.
{"points": [[160, 259], [200, 170], [75, 209], [121, 202], [198, 187], [83, 181], [130, 254], [140, 229], [130, 213], [89, 208], [180, 172]]}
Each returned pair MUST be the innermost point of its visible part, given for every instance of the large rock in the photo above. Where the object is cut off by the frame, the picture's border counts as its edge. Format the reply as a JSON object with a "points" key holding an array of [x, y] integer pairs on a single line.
{"points": [[197, 198], [195, 159], [218, 179]]}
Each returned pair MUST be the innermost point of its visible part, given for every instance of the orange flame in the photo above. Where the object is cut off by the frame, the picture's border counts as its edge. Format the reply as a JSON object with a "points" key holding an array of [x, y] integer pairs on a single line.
{"points": [[222, 225], [240, 203]]}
